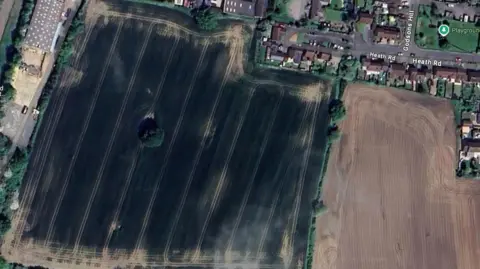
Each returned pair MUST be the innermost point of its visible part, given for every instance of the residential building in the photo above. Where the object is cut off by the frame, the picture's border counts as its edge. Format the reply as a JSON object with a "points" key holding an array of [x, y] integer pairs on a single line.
{"points": [[398, 71], [278, 32], [374, 67], [466, 128], [474, 76], [451, 73], [324, 57], [294, 55], [470, 149], [366, 18], [309, 56], [253, 8], [388, 34]]}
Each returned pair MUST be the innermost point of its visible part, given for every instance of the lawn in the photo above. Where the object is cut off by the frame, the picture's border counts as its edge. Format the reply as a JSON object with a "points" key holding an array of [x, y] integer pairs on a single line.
{"points": [[233, 181], [333, 15], [457, 41], [360, 27], [336, 4], [360, 3]]}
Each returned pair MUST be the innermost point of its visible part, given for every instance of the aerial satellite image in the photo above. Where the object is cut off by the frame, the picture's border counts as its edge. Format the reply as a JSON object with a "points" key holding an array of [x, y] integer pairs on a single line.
{"points": [[239, 134]]}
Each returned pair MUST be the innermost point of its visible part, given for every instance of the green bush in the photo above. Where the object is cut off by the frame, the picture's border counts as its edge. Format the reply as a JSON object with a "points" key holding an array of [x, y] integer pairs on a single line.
{"points": [[206, 19], [336, 110], [153, 138]]}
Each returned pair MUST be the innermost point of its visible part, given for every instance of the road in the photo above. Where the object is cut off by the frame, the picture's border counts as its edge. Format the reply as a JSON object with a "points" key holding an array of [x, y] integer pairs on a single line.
{"points": [[363, 46]]}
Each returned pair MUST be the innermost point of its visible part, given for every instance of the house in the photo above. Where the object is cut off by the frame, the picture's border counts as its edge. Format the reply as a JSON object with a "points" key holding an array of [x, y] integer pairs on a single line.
{"points": [[374, 67], [250, 8], [324, 57], [389, 34], [309, 55], [278, 32], [398, 71], [294, 55], [451, 73], [275, 55], [474, 76], [365, 18], [470, 149]]}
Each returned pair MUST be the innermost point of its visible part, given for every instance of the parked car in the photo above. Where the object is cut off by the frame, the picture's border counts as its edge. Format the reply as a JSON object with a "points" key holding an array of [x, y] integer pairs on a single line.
{"points": [[24, 109]]}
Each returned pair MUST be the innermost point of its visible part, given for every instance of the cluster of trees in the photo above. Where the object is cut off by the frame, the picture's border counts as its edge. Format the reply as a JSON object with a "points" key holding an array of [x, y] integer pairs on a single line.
{"points": [[150, 133], [348, 68], [206, 19], [469, 168], [10, 184], [337, 112], [14, 57]]}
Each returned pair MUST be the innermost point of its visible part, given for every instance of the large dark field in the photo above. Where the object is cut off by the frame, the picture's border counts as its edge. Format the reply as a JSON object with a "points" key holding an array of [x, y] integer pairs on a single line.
{"points": [[231, 184]]}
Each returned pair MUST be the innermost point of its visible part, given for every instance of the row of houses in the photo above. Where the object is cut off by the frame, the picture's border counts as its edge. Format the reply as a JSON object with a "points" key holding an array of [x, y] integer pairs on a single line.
{"points": [[283, 49], [412, 73]]}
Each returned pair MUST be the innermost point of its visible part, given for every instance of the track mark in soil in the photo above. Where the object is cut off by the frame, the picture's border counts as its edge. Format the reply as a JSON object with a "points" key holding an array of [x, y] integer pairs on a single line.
{"points": [[146, 218], [306, 158], [252, 178], [223, 175], [84, 130], [112, 140], [125, 188], [165, 22], [273, 206], [175, 133], [209, 125], [30, 191]]}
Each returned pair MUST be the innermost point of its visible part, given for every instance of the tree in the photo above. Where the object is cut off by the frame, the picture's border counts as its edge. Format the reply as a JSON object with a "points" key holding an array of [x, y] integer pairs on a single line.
{"points": [[333, 134], [206, 19], [150, 133], [336, 110], [5, 144]]}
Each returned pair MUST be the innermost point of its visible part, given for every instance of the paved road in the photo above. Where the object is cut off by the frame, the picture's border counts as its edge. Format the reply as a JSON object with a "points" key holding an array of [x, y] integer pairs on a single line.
{"points": [[360, 46]]}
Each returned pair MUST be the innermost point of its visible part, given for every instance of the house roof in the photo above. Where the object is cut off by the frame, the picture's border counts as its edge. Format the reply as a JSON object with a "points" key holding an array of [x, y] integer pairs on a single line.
{"points": [[325, 56], [246, 8], [471, 143], [295, 54], [458, 74], [365, 17], [374, 65], [473, 75], [278, 32], [397, 70], [309, 55], [260, 8], [44, 24], [387, 32]]}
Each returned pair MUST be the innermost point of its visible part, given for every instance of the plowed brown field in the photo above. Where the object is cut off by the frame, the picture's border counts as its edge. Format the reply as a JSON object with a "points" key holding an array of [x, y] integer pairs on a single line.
{"points": [[390, 188]]}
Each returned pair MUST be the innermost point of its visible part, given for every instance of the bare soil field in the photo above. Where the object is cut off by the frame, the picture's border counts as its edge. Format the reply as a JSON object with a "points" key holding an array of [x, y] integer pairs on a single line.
{"points": [[230, 187], [392, 197]]}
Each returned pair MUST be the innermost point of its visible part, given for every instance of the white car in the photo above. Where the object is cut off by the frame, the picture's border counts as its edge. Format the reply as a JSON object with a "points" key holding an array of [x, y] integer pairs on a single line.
{"points": [[400, 54], [451, 5]]}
